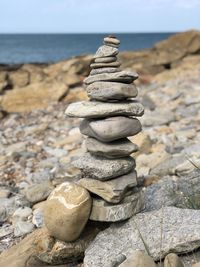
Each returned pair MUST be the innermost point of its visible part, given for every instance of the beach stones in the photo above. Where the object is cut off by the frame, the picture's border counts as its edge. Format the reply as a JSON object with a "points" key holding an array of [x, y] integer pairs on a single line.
{"points": [[109, 117], [66, 211]]}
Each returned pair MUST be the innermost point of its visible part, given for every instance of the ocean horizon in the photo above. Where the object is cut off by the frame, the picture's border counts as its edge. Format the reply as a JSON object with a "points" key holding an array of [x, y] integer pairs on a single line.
{"points": [[54, 47]]}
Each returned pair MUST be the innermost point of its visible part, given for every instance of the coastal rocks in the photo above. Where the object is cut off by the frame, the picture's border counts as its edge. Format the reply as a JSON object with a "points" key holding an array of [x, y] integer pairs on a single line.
{"points": [[139, 259], [94, 109], [112, 191], [100, 168], [104, 212], [138, 233], [66, 211], [107, 169], [110, 129], [116, 149], [105, 91]]}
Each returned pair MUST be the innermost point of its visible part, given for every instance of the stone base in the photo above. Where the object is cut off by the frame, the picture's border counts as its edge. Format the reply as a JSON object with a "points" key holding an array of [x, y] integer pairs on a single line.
{"points": [[106, 212]]}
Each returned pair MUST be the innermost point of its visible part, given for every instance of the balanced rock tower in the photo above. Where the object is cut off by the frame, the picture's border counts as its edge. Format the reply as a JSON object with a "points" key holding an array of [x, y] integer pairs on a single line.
{"points": [[108, 170]]}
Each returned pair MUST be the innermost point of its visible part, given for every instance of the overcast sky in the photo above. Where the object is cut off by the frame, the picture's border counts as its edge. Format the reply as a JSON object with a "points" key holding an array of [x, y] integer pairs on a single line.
{"points": [[68, 16]]}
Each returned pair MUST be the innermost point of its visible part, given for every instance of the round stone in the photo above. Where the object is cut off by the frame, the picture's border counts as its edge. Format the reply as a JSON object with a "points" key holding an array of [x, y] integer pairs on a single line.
{"points": [[172, 260], [105, 59], [110, 129], [115, 64], [66, 211], [111, 40]]}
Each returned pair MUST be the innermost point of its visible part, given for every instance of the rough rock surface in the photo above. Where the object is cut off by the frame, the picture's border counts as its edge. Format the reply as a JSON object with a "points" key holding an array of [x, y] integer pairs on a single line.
{"points": [[66, 211], [110, 129], [138, 233], [103, 169], [106, 51], [108, 212], [138, 259], [96, 109], [112, 191], [105, 91], [116, 149]]}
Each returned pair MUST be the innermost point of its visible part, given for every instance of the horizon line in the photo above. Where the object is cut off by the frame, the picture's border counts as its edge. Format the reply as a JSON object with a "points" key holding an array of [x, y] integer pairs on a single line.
{"points": [[110, 32]]}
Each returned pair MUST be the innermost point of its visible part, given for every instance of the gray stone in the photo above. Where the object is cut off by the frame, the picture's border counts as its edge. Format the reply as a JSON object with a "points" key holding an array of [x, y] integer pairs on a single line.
{"points": [[5, 230], [158, 117], [116, 149], [172, 260], [143, 232], [22, 228], [105, 59], [112, 191], [95, 109], [38, 218], [111, 40], [104, 70], [122, 76], [115, 64], [38, 192], [106, 51], [103, 169], [138, 259], [3, 214], [104, 91], [110, 129], [107, 212], [21, 214]]}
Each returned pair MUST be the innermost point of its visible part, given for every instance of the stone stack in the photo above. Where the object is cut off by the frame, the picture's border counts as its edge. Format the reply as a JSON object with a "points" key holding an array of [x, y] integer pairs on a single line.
{"points": [[108, 170]]}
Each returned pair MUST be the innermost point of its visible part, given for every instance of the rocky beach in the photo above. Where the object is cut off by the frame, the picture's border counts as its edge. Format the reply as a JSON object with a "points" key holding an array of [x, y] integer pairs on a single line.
{"points": [[39, 143]]}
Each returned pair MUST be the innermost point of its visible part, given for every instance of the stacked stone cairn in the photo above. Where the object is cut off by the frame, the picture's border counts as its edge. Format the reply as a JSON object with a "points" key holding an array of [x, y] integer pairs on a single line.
{"points": [[108, 170]]}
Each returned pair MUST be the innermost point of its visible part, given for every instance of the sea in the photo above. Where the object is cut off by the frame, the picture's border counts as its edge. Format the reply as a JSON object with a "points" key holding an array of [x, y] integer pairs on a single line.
{"points": [[49, 48]]}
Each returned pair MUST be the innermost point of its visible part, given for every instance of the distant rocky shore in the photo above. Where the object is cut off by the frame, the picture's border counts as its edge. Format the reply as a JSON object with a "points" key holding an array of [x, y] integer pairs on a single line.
{"points": [[27, 87]]}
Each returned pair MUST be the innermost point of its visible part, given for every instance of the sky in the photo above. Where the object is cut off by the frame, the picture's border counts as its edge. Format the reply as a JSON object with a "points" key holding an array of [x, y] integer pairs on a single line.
{"points": [[88, 16]]}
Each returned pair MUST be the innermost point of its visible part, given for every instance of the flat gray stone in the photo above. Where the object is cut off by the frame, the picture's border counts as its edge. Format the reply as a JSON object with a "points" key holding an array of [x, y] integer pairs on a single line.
{"points": [[103, 169], [180, 230], [95, 109], [105, 212], [117, 149], [122, 76], [106, 51], [115, 64], [105, 59], [111, 40], [110, 129], [104, 70], [112, 191], [104, 91]]}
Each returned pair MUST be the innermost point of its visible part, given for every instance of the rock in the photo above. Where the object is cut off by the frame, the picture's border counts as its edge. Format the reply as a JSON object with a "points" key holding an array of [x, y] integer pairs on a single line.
{"points": [[3, 214], [95, 109], [66, 211], [111, 40], [76, 94], [143, 141], [38, 192], [22, 254], [33, 96], [104, 69], [103, 169], [110, 129], [63, 252], [38, 217], [144, 230], [112, 191], [19, 78], [116, 149], [138, 259], [105, 91], [106, 212], [172, 260], [105, 59], [115, 64], [22, 228], [22, 214], [106, 51], [158, 117], [5, 230], [121, 76]]}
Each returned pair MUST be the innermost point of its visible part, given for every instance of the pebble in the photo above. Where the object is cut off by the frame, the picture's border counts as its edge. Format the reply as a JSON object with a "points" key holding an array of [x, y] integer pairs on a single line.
{"points": [[111, 40], [38, 217], [103, 169], [110, 129], [3, 214], [21, 214], [172, 260], [66, 211], [22, 228], [139, 259], [5, 230], [95, 109], [38, 192]]}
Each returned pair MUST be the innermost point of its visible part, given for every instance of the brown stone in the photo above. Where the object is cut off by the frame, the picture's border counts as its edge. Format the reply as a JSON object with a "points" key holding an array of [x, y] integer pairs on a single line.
{"points": [[172, 260], [19, 78], [66, 211], [138, 259]]}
